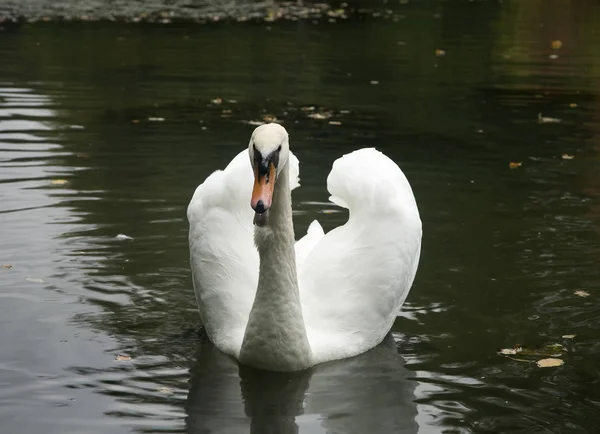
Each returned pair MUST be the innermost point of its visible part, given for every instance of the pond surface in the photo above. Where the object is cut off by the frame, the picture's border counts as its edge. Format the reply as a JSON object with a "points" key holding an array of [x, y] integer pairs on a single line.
{"points": [[107, 128]]}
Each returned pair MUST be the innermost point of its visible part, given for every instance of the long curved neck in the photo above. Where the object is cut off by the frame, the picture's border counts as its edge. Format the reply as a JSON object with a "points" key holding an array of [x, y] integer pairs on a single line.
{"points": [[275, 337]]}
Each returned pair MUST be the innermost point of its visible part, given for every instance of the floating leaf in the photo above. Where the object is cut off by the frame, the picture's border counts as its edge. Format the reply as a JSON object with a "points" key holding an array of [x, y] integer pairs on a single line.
{"points": [[582, 293], [7, 266], [319, 116], [335, 123], [34, 280], [557, 44], [553, 56], [165, 390], [550, 363], [439, 52], [567, 157], [374, 82], [514, 164], [153, 119], [123, 237], [568, 336], [269, 118], [58, 182], [510, 351], [217, 100], [547, 120], [573, 105], [123, 358]]}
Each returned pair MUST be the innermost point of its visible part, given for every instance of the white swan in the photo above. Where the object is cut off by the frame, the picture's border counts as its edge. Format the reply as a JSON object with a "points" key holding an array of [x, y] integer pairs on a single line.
{"points": [[279, 305]]}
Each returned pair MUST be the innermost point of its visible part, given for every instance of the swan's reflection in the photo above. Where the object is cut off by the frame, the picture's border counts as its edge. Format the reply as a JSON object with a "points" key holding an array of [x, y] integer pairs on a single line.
{"points": [[368, 393]]}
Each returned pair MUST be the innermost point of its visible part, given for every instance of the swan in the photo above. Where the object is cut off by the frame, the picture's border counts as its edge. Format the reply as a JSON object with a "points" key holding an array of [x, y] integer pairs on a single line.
{"points": [[280, 305]]}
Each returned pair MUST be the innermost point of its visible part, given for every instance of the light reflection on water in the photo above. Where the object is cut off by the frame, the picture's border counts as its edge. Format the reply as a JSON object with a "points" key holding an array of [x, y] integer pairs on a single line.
{"points": [[504, 250]]}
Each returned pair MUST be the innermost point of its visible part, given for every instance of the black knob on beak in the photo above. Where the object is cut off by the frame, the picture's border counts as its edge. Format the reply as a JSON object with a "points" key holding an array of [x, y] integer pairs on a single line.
{"points": [[260, 207]]}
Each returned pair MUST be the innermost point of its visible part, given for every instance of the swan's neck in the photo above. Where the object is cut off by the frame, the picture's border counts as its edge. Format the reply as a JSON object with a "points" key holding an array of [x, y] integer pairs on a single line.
{"points": [[275, 337]]}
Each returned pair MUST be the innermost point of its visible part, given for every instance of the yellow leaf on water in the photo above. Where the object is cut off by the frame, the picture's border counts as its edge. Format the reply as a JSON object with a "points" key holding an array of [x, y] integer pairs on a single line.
{"points": [[582, 293], [269, 118], [509, 351], [439, 52], [550, 363], [335, 123], [514, 164], [573, 105], [217, 100], [58, 182], [557, 44], [567, 157], [123, 358], [568, 336], [7, 266]]}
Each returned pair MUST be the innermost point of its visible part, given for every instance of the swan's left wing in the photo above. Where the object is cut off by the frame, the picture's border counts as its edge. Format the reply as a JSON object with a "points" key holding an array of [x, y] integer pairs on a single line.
{"points": [[355, 279], [223, 256]]}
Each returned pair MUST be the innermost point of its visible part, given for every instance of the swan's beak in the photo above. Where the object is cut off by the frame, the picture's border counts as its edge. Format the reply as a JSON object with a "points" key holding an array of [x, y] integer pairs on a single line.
{"points": [[262, 194]]}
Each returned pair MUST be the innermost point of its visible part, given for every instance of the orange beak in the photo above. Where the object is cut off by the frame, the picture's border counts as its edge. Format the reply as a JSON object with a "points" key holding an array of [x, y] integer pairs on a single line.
{"points": [[262, 194]]}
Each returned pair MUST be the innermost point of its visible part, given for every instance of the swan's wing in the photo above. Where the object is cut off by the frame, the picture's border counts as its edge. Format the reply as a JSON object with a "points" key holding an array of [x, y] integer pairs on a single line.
{"points": [[354, 281], [223, 257]]}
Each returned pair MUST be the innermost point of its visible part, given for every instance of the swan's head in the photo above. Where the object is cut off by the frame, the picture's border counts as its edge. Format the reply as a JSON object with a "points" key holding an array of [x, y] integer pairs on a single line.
{"points": [[269, 150]]}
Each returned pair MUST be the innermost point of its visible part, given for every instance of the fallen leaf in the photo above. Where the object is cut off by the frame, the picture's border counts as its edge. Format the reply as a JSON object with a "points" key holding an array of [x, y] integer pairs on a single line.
{"points": [[374, 82], [319, 116], [152, 119], [165, 390], [123, 358], [567, 157], [135, 121], [335, 123], [547, 120], [573, 105], [34, 280], [217, 100], [568, 336], [582, 293], [549, 363], [557, 44], [226, 111], [439, 52], [58, 182], [553, 56], [269, 118], [509, 351], [123, 237], [514, 164], [7, 266]]}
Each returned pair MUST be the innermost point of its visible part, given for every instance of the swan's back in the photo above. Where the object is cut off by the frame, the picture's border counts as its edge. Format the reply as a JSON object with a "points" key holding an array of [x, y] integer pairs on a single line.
{"points": [[354, 281]]}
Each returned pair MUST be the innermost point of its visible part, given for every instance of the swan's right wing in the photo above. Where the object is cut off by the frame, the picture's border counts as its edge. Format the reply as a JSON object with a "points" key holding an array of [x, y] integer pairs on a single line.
{"points": [[355, 279]]}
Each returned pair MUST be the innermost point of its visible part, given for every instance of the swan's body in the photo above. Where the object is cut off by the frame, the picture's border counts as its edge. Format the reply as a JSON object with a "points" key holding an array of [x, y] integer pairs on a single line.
{"points": [[277, 304]]}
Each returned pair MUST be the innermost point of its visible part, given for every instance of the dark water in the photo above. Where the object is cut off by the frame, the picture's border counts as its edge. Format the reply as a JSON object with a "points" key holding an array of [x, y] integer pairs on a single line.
{"points": [[504, 250]]}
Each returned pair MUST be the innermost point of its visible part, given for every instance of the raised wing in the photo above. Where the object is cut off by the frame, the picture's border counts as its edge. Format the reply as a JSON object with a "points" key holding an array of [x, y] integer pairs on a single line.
{"points": [[354, 281]]}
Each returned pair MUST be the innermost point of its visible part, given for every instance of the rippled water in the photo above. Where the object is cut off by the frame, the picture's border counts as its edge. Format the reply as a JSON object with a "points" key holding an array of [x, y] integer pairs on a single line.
{"points": [[106, 129]]}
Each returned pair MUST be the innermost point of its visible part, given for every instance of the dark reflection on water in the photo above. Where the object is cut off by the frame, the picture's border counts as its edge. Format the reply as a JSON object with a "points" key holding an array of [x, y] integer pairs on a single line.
{"points": [[106, 129]]}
